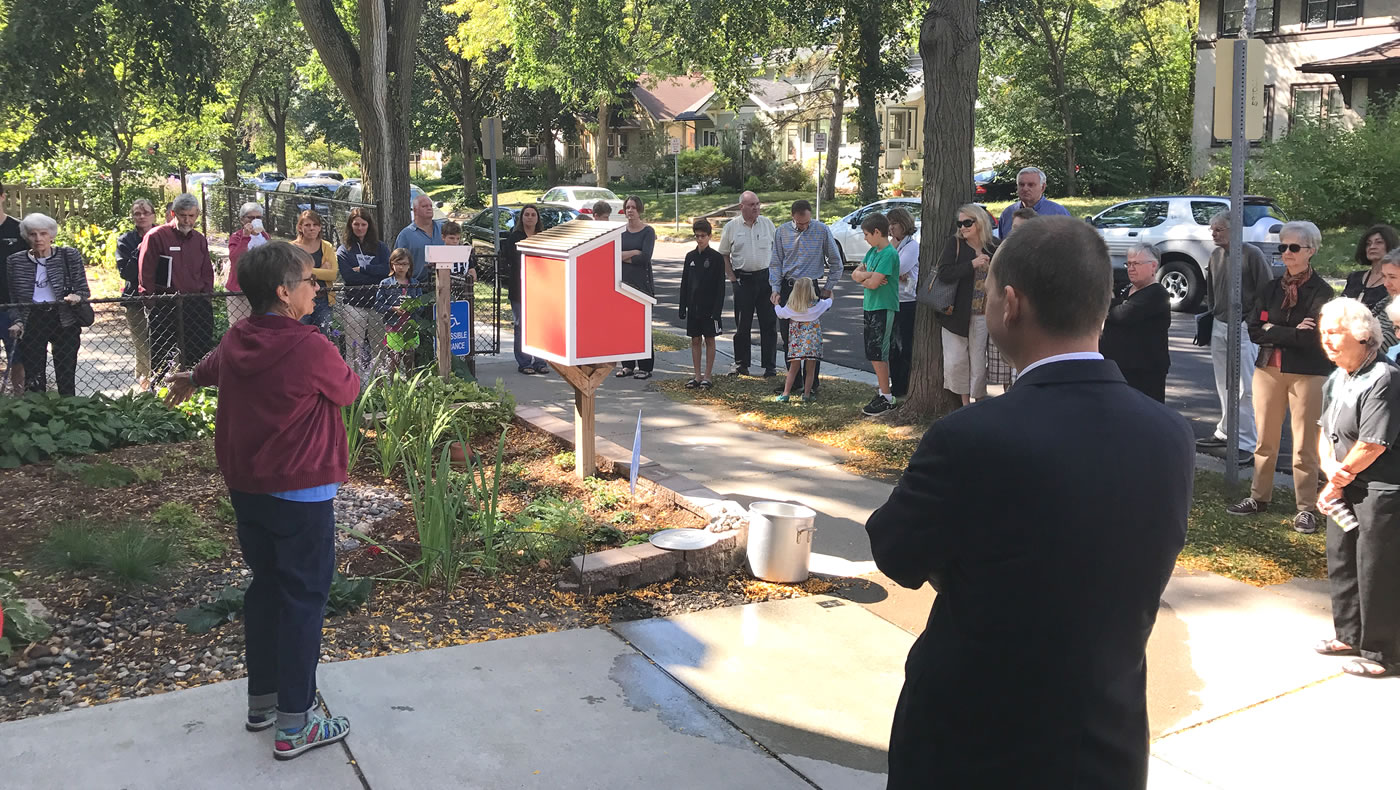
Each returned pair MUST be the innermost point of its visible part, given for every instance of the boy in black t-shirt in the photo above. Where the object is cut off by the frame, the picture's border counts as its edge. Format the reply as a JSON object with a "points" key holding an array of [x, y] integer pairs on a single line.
{"points": [[702, 301]]}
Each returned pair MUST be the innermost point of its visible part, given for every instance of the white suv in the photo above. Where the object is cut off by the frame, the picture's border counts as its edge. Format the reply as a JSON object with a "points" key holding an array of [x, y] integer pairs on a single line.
{"points": [[1178, 227]]}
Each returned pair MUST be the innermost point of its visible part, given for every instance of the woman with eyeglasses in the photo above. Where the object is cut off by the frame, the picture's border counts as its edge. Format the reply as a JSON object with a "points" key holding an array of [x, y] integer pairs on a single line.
{"points": [[1368, 284], [249, 235], [965, 261], [1288, 375]]}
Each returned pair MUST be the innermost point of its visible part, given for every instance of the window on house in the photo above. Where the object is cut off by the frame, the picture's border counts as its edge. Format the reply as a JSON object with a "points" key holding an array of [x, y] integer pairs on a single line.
{"points": [[711, 137], [1232, 16], [1317, 13], [617, 145], [1316, 103], [574, 151]]}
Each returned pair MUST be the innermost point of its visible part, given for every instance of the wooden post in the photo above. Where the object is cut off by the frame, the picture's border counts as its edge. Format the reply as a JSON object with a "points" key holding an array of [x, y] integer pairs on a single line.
{"points": [[585, 379], [443, 278]]}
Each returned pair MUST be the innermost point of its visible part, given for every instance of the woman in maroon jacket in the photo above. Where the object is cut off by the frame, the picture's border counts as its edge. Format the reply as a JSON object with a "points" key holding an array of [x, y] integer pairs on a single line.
{"points": [[280, 443]]}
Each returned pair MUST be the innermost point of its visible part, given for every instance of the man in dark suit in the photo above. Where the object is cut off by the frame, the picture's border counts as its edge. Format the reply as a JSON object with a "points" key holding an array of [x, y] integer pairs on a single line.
{"points": [[1049, 520]]}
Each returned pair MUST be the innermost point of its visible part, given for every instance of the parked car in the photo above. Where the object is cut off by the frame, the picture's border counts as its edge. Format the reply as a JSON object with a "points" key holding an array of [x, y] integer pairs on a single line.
{"points": [[1178, 228], [353, 191], [306, 190], [479, 228], [992, 185], [268, 180], [849, 238], [193, 180], [331, 174], [581, 199]]}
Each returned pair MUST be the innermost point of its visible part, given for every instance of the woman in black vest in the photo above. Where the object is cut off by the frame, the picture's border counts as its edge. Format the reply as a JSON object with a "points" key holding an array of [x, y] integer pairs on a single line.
{"points": [[1135, 332]]}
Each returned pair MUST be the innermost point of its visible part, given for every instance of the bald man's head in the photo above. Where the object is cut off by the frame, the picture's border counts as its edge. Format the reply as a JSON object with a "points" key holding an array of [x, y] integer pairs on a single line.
{"points": [[749, 206]]}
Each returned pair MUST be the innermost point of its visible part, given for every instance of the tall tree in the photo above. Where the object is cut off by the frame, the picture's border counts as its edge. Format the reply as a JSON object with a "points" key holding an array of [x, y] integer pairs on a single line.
{"points": [[376, 79], [1046, 25], [590, 52], [275, 104], [948, 44], [95, 77], [465, 45]]}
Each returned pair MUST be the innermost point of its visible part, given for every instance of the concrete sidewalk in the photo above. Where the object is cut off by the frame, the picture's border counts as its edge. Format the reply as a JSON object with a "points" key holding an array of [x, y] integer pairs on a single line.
{"points": [[784, 694]]}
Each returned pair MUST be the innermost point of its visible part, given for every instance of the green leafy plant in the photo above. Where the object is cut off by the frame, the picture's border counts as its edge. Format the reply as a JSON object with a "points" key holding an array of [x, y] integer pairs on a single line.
{"points": [[73, 546], [515, 480], [209, 615], [605, 497], [623, 517], [136, 556], [637, 540], [22, 626], [347, 594], [564, 460], [184, 525], [549, 529], [225, 510], [100, 475], [354, 419]]}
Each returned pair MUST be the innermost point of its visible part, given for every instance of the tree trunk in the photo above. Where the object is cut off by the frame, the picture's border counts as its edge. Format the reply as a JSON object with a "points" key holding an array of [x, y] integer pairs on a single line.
{"points": [[275, 106], [116, 172], [867, 76], [376, 79], [948, 45], [833, 138], [228, 159], [600, 156], [1071, 163], [551, 161], [466, 119]]}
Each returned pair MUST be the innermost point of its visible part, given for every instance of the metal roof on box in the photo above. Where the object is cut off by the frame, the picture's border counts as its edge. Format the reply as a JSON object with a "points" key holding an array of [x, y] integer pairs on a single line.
{"points": [[562, 239]]}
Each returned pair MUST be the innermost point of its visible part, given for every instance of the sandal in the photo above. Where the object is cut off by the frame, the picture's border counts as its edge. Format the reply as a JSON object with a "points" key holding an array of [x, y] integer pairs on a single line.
{"points": [[692, 384], [527, 371], [642, 374], [706, 384], [622, 373], [1363, 668], [1335, 647]]}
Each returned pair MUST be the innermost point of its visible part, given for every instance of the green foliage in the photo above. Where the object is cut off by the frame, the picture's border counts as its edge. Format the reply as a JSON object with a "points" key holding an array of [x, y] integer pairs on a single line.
{"points": [[346, 595], [225, 511], [183, 524], [792, 177], [97, 245], [209, 615], [515, 480], [452, 510], [549, 529], [564, 460], [623, 517], [147, 420], [22, 626], [702, 164], [1316, 172], [604, 495], [128, 552], [104, 474], [43, 425], [135, 556], [354, 418]]}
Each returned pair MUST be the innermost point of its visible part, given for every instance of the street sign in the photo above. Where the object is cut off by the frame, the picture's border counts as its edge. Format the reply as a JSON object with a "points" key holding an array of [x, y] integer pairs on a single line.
{"points": [[459, 328], [675, 145], [819, 142], [1254, 87], [491, 139]]}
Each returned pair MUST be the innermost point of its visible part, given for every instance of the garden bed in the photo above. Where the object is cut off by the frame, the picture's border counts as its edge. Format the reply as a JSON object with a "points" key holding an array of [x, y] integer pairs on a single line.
{"points": [[115, 545]]}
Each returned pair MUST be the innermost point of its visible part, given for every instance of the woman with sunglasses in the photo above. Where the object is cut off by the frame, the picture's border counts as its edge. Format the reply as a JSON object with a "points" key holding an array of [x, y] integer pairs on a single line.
{"points": [[965, 261], [1288, 375]]}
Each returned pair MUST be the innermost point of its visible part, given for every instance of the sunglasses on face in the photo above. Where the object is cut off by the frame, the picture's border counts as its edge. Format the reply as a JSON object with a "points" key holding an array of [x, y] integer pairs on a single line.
{"points": [[965, 223], [1282, 248]]}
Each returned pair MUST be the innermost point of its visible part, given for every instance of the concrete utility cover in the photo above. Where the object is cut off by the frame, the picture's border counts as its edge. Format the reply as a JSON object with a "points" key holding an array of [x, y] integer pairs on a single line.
{"points": [[815, 680], [190, 739], [576, 709], [684, 539]]}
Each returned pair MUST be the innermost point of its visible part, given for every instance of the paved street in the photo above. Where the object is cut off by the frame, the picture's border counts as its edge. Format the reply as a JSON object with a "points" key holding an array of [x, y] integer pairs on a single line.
{"points": [[1190, 385]]}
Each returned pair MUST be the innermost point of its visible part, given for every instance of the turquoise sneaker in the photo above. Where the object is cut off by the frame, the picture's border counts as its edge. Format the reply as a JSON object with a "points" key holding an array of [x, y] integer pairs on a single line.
{"points": [[782, 399], [261, 718], [318, 731]]}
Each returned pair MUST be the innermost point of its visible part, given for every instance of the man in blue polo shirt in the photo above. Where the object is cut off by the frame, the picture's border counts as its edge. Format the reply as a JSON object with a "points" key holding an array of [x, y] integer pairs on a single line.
{"points": [[1030, 188], [423, 232]]}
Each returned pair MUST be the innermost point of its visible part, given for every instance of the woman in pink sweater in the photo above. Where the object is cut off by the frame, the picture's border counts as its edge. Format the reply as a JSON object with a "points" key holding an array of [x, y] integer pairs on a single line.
{"points": [[249, 236]]}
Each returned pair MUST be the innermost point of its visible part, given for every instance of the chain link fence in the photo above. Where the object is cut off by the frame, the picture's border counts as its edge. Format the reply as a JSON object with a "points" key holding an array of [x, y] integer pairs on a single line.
{"points": [[134, 342]]}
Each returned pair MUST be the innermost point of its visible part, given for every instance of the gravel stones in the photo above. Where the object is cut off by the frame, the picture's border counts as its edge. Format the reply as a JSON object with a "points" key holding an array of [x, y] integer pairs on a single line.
{"points": [[359, 508]]}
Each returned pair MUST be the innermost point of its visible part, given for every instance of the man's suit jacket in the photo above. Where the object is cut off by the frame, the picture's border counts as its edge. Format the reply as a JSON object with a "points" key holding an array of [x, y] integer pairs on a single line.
{"points": [[1049, 520]]}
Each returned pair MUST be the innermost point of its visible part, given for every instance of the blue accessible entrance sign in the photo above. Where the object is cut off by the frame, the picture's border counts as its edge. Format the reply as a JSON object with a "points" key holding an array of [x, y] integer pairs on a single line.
{"points": [[459, 326]]}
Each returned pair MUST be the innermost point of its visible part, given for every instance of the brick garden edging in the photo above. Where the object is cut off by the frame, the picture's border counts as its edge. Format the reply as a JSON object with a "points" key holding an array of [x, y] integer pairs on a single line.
{"points": [[635, 566]]}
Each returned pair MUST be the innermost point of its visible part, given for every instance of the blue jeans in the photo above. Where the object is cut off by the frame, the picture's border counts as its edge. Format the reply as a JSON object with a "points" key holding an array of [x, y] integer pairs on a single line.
{"points": [[522, 360], [290, 548]]}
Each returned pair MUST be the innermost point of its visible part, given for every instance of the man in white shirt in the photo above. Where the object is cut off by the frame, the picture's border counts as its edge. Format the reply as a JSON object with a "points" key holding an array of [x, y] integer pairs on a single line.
{"points": [[747, 246]]}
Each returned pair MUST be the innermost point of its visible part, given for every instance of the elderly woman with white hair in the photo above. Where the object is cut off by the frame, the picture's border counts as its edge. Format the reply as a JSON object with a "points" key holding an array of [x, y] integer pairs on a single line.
{"points": [[1360, 424], [47, 282], [250, 235], [1135, 331], [1288, 375]]}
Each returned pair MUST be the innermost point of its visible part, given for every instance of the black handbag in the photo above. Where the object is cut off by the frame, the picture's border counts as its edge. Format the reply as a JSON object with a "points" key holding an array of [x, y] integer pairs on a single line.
{"points": [[1205, 322], [82, 311], [940, 295]]}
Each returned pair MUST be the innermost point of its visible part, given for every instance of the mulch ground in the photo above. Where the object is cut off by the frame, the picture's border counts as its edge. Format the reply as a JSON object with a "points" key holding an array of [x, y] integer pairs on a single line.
{"points": [[113, 641]]}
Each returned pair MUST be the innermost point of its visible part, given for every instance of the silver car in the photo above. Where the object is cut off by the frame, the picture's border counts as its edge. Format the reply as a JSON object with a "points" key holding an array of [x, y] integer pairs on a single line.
{"points": [[1178, 227], [849, 238]]}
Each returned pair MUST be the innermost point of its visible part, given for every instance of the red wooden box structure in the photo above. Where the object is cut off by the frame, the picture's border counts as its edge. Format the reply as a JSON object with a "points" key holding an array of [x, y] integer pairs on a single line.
{"points": [[577, 313], [575, 308]]}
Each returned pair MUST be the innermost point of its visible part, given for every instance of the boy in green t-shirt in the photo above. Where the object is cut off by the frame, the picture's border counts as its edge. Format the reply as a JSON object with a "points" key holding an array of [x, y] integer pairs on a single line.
{"points": [[878, 273]]}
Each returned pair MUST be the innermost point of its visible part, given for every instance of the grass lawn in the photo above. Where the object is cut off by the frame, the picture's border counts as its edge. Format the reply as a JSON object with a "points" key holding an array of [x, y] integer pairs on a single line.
{"points": [[1260, 550], [876, 450], [1337, 256], [668, 341]]}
